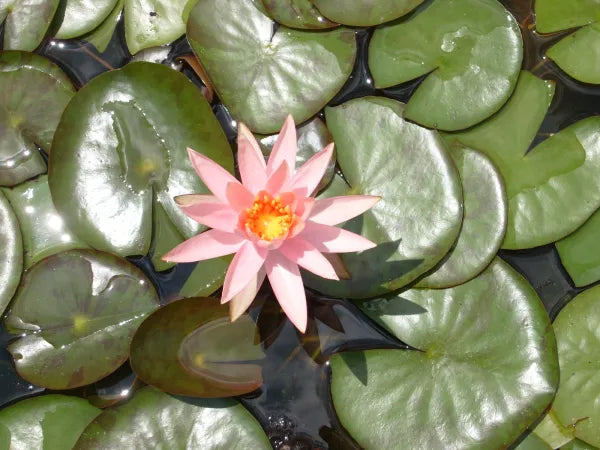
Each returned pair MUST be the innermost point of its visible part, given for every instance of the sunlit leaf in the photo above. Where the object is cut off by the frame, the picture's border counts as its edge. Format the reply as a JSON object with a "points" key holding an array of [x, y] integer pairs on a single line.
{"points": [[365, 13], [11, 247], [26, 22]]}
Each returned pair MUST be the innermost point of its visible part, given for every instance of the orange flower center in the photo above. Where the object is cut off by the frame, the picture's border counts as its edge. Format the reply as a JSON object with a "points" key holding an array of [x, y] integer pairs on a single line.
{"points": [[269, 218]]}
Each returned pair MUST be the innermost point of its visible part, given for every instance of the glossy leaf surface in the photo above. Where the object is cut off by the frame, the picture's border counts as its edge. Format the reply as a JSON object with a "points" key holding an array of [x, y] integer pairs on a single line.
{"points": [[189, 347], [33, 94], [580, 252], [153, 419], [577, 329], [77, 312], [262, 74], [121, 147], [553, 188], [420, 212], [46, 422], [26, 22], [484, 224], [485, 371], [365, 13], [297, 14], [312, 138], [44, 231], [150, 23], [78, 17], [101, 35], [579, 54], [471, 51], [11, 248]]}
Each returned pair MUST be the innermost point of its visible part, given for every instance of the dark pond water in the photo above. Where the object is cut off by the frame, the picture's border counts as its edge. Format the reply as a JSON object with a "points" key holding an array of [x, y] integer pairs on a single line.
{"points": [[294, 404]]}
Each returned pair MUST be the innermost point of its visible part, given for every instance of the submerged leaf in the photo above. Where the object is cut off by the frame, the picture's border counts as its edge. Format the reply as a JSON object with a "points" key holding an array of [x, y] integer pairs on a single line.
{"points": [[76, 313]]}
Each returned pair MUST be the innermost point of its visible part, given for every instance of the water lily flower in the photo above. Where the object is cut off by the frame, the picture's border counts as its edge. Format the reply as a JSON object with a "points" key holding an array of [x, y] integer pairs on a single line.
{"points": [[270, 221]]}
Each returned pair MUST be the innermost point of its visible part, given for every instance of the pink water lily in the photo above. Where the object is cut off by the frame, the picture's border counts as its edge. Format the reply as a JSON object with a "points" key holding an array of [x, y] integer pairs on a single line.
{"points": [[270, 221]]}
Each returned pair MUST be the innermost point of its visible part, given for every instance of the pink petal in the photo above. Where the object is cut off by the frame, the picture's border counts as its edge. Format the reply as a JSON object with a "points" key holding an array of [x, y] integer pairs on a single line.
{"points": [[215, 177], [245, 265], [251, 160], [285, 147], [330, 239], [308, 177], [307, 256], [286, 282], [240, 302], [239, 197], [334, 210], [209, 211], [207, 245], [276, 181]]}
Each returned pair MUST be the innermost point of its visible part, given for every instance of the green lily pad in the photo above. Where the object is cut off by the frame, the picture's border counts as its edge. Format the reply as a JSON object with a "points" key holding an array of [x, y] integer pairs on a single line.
{"points": [[78, 17], [470, 49], [297, 14], [577, 329], [553, 432], [262, 74], [312, 138], [33, 95], [76, 313], [46, 422], [553, 188], [26, 22], [419, 215], [120, 148], [557, 15], [206, 278], [485, 371], [484, 223], [579, 54], [44, 231], [580, 252], [153, 419], [365, 13], [576, 444], [11, 247], [101, 36], [533, 442], [189, 347], [150, 23]]}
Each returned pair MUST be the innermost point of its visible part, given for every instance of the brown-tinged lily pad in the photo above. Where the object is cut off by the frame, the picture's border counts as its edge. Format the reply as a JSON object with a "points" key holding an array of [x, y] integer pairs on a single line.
{"points": [[262, 72], [153, 419], [76, 313], [120, 152], [189, 347], [33, 94]]}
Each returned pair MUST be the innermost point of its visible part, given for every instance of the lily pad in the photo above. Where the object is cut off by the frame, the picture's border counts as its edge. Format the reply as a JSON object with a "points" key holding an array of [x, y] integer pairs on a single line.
{"points": [[189, 347], [553, 432], [78, 17], [470, 49], [263, 73], [577, 329], [576, 444], [312, 138], [419, 216], [365, 13], [101, 36], [44, 231], [579, 54], [26, 23], [553, 188], [120, 151], [533, 442], [11, 247], [484, 223], [557, 15], [76, 313], [580, 252], [297, 14], [207, 277], [485, 371], [150, 23], [153, 419], [33, 94], [46, 422]]}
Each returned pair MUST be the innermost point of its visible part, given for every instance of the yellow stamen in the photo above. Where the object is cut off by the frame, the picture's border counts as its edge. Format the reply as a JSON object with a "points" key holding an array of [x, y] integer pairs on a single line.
{"points": [[268, 218]]}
